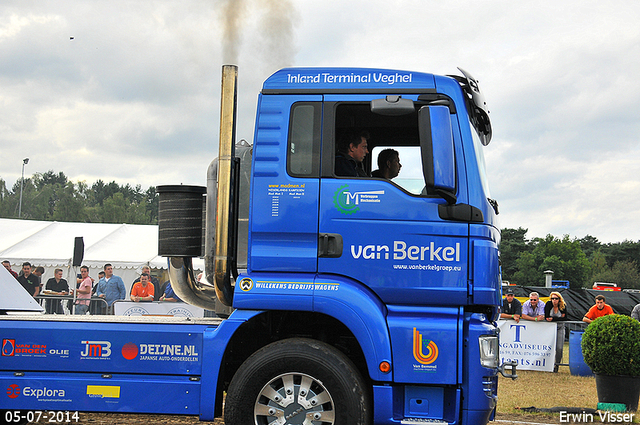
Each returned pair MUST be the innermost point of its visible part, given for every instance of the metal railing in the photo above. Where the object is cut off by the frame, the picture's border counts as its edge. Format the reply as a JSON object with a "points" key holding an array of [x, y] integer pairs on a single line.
{"points": [[571, 326], [94, 305]]}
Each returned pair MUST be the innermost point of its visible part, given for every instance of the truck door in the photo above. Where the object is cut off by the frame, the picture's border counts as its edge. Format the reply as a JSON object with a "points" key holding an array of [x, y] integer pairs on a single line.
{"points": [[285, 185], [392, 237]]}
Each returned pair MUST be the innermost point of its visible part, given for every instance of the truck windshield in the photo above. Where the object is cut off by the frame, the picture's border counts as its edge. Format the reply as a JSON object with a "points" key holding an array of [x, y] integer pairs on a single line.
{"points": [[477, 144]]}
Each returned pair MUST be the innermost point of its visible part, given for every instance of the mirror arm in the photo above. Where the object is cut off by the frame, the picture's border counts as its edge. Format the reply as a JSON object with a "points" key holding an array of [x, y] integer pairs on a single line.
{"points": [[448, 196]]}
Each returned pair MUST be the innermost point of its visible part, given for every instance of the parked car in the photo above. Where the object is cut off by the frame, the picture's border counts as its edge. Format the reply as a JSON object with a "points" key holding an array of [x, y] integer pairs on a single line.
{"points": [[604, 286]]}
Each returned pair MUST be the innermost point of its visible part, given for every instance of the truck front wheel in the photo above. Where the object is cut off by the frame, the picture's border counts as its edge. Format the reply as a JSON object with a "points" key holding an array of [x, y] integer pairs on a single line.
{"points": [[297, 381]]}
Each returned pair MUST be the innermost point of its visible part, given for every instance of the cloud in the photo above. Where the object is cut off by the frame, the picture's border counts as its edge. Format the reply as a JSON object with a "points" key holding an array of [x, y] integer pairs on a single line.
{"points": [[134, 96]]}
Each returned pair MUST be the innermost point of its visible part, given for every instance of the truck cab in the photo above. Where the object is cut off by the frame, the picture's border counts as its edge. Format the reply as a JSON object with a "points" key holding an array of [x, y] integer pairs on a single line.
{"points": [[409, 240], [401, 275]]}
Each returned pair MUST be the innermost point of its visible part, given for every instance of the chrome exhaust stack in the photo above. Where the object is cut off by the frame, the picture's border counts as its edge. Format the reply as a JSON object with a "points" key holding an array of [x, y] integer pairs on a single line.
{"points": [[224, 252], [180, 214]]}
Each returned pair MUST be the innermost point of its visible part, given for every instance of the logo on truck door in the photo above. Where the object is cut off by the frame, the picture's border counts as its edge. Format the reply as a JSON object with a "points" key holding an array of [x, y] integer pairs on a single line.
{"points": [[349, 202], [424, 350]]}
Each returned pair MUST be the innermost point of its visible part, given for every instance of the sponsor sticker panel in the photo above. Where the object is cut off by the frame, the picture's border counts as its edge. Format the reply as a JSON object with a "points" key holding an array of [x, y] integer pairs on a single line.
{"points": [[424, 350], [56, 392], [122, 352]]}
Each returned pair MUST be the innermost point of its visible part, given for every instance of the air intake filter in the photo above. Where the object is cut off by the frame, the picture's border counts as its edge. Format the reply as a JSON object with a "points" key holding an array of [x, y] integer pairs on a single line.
{"points": [[180, 213]]}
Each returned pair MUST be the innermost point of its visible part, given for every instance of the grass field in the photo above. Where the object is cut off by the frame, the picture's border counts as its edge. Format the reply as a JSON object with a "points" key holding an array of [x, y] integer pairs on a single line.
{"points": [[544, 389], [547, 390]]}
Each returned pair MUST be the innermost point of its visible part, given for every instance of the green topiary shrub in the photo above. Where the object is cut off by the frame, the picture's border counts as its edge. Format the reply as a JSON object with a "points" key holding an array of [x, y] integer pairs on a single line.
{"points": [[611, 345]]}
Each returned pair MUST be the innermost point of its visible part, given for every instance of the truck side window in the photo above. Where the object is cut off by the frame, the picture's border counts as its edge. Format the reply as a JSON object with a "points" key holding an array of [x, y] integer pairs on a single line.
{"points": [[303, 158], [399, 133], [410, 177]]}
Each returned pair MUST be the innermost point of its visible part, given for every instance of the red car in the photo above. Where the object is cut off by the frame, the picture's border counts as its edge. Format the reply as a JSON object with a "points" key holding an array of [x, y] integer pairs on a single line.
{"points": [[603, 286]]}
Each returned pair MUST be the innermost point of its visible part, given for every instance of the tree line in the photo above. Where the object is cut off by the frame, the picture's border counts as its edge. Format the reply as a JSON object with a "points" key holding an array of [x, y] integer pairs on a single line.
{"points": [[580, 261], [53, 197]]}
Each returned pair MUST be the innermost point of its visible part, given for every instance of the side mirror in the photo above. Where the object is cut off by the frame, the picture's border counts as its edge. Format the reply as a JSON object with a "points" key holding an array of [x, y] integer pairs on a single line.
{"points": [[438, 158]]}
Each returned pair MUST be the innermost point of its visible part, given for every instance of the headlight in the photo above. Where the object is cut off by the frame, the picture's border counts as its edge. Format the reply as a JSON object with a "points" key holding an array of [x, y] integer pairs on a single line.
{"points": [[489, 351]]}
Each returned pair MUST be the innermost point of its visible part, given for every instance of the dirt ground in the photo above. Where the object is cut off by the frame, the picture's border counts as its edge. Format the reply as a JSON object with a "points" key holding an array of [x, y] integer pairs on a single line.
{"points": [[511, 418], [124, 419], [128, 419]]}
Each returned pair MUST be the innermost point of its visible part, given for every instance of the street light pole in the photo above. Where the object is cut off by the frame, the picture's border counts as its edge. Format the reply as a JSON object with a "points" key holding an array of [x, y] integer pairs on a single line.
{"points": [[24, 162]]}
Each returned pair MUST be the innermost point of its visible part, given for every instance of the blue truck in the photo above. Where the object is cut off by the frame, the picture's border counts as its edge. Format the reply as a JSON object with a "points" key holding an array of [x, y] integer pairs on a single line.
{"points": [[341, 299]]}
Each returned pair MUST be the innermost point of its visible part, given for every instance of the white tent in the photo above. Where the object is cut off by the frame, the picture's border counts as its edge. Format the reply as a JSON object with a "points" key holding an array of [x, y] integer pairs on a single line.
{"points": [[50, 244]]}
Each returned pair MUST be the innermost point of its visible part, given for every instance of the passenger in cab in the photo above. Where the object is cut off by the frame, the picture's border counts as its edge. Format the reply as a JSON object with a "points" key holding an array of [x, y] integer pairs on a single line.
{"points": [[388, 164]]}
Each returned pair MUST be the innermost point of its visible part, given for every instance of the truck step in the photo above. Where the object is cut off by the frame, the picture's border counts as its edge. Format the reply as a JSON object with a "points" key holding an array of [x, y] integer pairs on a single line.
{"points": [[419, 421]]}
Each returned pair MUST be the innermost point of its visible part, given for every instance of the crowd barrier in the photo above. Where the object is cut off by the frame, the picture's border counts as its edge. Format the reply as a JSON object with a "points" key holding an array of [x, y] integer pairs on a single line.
{"points": [[97, 305]]}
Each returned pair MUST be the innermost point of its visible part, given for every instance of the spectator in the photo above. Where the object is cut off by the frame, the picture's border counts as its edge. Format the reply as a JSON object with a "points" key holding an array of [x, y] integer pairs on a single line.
{"points": [[388, 164], [56, 286], [598, 310], [7, 265], [83, 294], [111, 288], [79, 279], [534, 308], [511, 307], [142, 290], [156, 283], [556, 311], [95, 287], [352, 148], [38, 272], [169, 294], [163, 287], [96, 307], [28, 280], [635, 313]]}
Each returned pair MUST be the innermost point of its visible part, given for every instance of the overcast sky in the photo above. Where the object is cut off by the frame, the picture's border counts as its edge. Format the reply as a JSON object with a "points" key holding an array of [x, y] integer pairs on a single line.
{"points": [[128, 90]]}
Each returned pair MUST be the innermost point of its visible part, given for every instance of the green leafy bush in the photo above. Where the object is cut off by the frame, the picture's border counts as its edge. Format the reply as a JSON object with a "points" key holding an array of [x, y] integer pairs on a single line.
{"points": [[611, 345]]}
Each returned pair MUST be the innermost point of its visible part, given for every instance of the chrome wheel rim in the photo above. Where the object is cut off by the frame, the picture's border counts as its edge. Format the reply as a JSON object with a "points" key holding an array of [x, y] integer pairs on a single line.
{"points": [[294, 398]]}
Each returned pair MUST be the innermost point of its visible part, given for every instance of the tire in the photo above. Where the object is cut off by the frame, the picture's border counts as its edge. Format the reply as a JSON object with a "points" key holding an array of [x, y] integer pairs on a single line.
{"points": [[324, 387]]}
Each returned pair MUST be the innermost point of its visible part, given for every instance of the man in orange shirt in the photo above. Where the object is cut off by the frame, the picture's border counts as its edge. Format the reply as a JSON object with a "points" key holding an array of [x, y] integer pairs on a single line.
{"points": [[598, 310], [143, 290]]}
